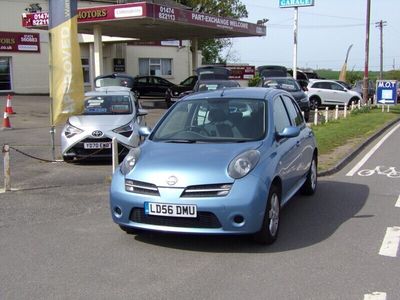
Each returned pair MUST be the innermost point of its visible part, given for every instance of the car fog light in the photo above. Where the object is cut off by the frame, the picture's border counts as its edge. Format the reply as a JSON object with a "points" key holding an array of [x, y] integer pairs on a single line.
{"points": [[117, 212]]}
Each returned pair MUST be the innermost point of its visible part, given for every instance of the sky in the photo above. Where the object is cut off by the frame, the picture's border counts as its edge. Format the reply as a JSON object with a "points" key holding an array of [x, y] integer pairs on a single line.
{"points": [[325, 32]]}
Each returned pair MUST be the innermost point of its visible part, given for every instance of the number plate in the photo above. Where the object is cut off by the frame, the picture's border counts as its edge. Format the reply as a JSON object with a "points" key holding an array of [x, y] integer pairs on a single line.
{"points": [[170, 210], [105, 145]]}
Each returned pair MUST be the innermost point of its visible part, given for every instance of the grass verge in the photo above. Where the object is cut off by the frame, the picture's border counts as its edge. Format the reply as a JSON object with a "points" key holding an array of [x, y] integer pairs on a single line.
{"points": [[338, 138]]}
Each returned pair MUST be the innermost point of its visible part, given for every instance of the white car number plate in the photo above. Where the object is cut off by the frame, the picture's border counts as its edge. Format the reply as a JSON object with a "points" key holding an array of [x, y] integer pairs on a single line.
{"points": [[105, 145], [170, 210]]}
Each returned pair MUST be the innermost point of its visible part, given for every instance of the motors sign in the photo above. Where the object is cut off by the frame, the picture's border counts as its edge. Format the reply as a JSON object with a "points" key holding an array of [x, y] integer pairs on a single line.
{"points": [[295, 3], [19, 42], [386, 91]]}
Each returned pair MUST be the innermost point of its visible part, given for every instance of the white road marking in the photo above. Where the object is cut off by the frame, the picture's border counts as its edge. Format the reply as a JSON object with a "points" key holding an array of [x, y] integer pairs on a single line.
{"points": [[398, 202], [390, 244], [371, 152], [375, 296]]}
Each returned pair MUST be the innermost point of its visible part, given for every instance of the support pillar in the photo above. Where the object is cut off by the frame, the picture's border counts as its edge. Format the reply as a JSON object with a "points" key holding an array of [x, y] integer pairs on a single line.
{"points": [[98, 51]]}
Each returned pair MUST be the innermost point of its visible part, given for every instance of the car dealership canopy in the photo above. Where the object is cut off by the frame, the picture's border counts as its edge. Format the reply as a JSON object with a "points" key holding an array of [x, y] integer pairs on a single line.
{"points": [[149, 21]]}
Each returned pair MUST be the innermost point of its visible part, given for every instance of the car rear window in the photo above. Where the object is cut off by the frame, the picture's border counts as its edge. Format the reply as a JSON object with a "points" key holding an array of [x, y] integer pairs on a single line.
{"points": [[107, 105]]}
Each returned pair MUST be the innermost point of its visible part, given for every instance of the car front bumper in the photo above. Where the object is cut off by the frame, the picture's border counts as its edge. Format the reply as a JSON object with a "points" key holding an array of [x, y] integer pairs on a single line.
{"points": [[240, 212]]}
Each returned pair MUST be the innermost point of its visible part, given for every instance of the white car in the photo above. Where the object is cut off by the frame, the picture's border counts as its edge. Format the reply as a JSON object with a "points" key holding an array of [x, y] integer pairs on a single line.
{"points": [[330, 92], [109, 112]]}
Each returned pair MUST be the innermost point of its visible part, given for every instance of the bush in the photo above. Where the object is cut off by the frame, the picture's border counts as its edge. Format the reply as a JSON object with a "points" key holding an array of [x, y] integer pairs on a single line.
{"points": [[254, 81]]}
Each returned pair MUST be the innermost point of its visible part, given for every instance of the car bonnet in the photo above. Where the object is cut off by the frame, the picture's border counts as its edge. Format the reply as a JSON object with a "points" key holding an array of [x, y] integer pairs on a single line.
{"points": [[189, 164], [104, 122]]}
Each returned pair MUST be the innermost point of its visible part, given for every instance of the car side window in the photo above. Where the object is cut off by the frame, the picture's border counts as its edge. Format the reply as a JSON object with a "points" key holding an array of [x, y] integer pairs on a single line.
{"points": [[142, 80], [336, 87], [281, 117], [295, 115]]}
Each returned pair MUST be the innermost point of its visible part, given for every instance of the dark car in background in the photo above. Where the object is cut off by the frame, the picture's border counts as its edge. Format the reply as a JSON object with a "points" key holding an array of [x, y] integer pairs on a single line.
{"points": [[272, 71], [174, 93], [290, 85], [151, 86]]}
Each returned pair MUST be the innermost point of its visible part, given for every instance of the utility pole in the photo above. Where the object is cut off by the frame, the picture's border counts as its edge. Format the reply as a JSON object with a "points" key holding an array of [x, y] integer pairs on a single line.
{"points": [[380, 25], [366, 81]]}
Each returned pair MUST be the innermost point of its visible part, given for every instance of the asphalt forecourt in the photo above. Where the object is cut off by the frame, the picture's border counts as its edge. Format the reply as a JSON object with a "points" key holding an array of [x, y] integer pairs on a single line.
{"points": [[57, 238]]}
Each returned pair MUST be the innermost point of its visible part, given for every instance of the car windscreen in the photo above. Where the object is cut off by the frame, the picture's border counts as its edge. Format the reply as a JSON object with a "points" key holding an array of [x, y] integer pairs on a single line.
{"points": [[286, 84], [107, 105], [213, 120]]}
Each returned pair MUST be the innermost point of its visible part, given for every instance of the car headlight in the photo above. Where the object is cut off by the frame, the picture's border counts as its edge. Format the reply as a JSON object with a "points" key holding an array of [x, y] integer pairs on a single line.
{"points": [[242, 164], [130, 161], [70, 130], [125, 130], [176, 93]]}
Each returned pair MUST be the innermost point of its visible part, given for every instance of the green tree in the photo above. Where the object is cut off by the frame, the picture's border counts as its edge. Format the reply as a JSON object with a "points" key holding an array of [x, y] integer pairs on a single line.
{"points": [[212, 48]]}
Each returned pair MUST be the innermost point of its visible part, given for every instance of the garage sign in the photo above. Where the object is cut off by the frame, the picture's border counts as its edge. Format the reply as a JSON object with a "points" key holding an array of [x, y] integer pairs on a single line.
{"points": [[295, 3], [386, 91]]}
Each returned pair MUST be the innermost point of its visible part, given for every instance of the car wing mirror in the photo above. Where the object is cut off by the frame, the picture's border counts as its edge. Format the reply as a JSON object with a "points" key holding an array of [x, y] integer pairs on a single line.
{"points": [[144, 131], [288, 132]]}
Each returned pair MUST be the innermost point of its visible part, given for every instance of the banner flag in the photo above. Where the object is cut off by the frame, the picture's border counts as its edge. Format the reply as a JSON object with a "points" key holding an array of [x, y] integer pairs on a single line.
{"points": [[66, 76]]}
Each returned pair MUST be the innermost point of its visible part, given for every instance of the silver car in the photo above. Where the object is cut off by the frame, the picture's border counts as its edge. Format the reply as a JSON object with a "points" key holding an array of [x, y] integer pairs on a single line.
{"points": [[108, 112]]}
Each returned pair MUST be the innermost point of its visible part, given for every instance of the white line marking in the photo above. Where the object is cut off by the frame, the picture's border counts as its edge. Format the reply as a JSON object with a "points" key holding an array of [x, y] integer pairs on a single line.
{"points": [[371, 152], [390, 244], [398, 202], [375, 296]]}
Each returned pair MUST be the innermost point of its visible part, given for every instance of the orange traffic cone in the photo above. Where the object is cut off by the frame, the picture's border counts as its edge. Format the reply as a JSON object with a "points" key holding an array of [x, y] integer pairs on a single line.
{"points": [[6, 121], [9, 108]]}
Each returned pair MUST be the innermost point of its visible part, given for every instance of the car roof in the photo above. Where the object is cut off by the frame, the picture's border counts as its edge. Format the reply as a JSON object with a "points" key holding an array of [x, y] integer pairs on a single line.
{"points": [[240, 92], [116, 90]]}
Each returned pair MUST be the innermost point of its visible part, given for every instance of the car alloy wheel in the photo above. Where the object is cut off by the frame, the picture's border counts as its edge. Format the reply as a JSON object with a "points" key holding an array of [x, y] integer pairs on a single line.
{"points": [[310, 185], [270, 226]]}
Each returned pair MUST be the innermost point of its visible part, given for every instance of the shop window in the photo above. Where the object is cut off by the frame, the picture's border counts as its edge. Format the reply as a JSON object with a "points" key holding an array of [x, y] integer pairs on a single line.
{"points": [[155, 66], [5, 74], [86, 70]]}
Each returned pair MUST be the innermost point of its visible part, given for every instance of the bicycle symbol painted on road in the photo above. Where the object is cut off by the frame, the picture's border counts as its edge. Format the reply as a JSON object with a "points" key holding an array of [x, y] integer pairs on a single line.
{"points": [[390, 172]]}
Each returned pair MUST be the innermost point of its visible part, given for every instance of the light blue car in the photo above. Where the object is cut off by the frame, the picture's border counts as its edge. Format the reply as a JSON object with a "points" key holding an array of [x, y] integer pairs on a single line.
{"points": [[221, 162]]}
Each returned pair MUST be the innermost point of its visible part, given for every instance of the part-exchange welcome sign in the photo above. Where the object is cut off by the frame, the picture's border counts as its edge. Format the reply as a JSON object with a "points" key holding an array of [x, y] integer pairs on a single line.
{"points": [[295, 3]]}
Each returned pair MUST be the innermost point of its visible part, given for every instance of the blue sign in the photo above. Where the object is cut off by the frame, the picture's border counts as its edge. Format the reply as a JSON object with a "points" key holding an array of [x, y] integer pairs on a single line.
{"points": [[386, 91], [295, 3]]}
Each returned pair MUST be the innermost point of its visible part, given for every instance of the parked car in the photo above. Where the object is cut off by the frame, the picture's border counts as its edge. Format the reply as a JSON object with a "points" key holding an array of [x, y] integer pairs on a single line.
{"points": [[329, 92], [217, 163], [272, 71], [152, 86], [358, 87], [174, 93], [290, 85], [108, 112]]}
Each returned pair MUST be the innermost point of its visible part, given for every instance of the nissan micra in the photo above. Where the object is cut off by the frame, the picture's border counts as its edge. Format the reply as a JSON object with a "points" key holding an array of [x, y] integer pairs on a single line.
{"points": [[221, 162]]}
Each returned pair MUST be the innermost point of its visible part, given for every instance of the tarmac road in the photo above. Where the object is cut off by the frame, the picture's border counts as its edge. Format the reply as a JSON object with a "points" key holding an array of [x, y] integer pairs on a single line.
{"points": [[58, 241]]}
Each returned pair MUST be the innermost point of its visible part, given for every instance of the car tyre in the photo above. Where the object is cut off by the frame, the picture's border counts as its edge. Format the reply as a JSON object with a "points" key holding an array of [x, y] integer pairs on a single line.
{"points": [[310, 185], [68, 159], [314, 102], [129, 230], [270, 226]]}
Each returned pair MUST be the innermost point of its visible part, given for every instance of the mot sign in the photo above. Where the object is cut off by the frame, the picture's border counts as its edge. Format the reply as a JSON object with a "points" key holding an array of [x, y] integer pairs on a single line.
{"points": [[295, 3], [386, 91]]}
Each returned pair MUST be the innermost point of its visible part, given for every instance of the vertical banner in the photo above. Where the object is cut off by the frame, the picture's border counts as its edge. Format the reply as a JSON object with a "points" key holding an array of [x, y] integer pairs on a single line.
{"points": [[66, 77]]}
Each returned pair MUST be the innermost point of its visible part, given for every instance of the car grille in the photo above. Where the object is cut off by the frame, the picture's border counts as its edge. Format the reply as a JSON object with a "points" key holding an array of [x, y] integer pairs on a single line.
{"points": [[139, 187], [203, 220], [211, 190], [80, 151]]}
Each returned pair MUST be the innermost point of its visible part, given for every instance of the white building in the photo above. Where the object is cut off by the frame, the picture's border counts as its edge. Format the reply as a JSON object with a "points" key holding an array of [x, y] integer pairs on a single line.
{"points": [[24, 70]]}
